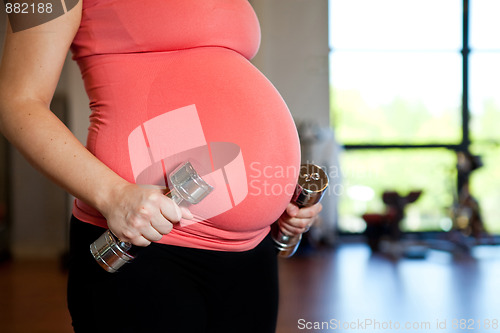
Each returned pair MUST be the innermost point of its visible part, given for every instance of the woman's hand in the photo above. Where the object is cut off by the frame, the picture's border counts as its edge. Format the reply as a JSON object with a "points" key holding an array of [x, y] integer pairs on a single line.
{"points": [[141, 215], [295, 220]]}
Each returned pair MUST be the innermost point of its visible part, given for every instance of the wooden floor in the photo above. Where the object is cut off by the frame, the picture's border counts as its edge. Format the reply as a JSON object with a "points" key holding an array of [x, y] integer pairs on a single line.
{"points": [[33, 298], [322, 292]]}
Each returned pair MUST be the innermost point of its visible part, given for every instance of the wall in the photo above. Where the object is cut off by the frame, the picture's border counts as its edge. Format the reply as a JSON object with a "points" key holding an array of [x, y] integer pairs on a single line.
{"points": [[294, 54], [4, 178]]}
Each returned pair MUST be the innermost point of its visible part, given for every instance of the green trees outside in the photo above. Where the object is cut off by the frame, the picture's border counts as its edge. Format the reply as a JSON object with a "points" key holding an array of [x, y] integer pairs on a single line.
{"points": [[433, 170]]}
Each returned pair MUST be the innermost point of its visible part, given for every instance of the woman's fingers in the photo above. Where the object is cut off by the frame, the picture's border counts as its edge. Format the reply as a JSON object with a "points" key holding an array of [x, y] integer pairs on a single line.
{"points": [[297, 220], [305, 212], [164, 214], [290, 230], [186, 213], [143, 215]]}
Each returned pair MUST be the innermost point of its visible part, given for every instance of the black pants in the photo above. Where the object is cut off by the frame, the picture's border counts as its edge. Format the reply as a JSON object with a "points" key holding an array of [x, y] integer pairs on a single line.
{"points": [[173, 289]]}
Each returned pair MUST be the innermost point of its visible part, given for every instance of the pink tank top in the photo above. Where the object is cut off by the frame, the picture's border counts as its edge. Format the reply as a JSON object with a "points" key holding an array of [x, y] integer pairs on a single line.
{"points": [[170, 81]]}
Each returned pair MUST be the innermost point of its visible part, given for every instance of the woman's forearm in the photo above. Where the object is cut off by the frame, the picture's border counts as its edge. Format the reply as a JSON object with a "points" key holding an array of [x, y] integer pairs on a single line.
{"points": [[52, 149]]}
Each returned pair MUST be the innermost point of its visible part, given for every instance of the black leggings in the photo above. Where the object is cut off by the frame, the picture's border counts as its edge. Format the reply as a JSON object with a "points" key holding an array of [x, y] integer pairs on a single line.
{"points": [[173, 289]]}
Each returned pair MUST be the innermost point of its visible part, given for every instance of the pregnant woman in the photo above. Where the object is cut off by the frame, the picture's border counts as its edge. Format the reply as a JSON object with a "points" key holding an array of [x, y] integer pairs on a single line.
{"points": [[168, 81]]}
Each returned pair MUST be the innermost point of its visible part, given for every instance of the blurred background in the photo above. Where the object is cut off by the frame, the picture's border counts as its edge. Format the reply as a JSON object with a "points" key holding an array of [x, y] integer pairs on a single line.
{"points": [[398, 101]]}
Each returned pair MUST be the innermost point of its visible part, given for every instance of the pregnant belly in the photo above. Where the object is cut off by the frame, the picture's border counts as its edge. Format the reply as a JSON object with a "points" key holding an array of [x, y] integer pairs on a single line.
{"points": [[210, 106]]}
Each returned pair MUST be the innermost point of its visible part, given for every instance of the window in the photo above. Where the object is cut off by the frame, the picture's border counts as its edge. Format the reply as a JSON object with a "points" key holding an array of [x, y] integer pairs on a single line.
{"points": [[400, 104]]}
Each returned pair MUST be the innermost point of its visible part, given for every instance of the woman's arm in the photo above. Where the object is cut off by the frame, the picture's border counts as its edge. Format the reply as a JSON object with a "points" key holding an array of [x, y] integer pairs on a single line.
{"points": [[29, 71]]}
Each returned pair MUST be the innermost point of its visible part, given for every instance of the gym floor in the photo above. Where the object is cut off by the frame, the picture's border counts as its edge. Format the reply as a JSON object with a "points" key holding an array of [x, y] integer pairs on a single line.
{"points": [[343, 289]]}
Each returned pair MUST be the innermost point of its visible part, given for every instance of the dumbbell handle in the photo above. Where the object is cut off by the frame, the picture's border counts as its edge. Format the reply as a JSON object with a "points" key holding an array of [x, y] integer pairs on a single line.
{"points": [[310, 188]]}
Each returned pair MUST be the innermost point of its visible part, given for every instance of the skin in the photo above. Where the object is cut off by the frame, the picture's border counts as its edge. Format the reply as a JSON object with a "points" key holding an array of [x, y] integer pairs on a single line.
{"points": [[295, 220], [29, 71]]}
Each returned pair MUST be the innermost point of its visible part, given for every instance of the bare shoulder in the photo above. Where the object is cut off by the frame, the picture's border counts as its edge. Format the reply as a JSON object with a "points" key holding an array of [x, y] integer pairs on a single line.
{"points": [[26, 15], [37, 41]]}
